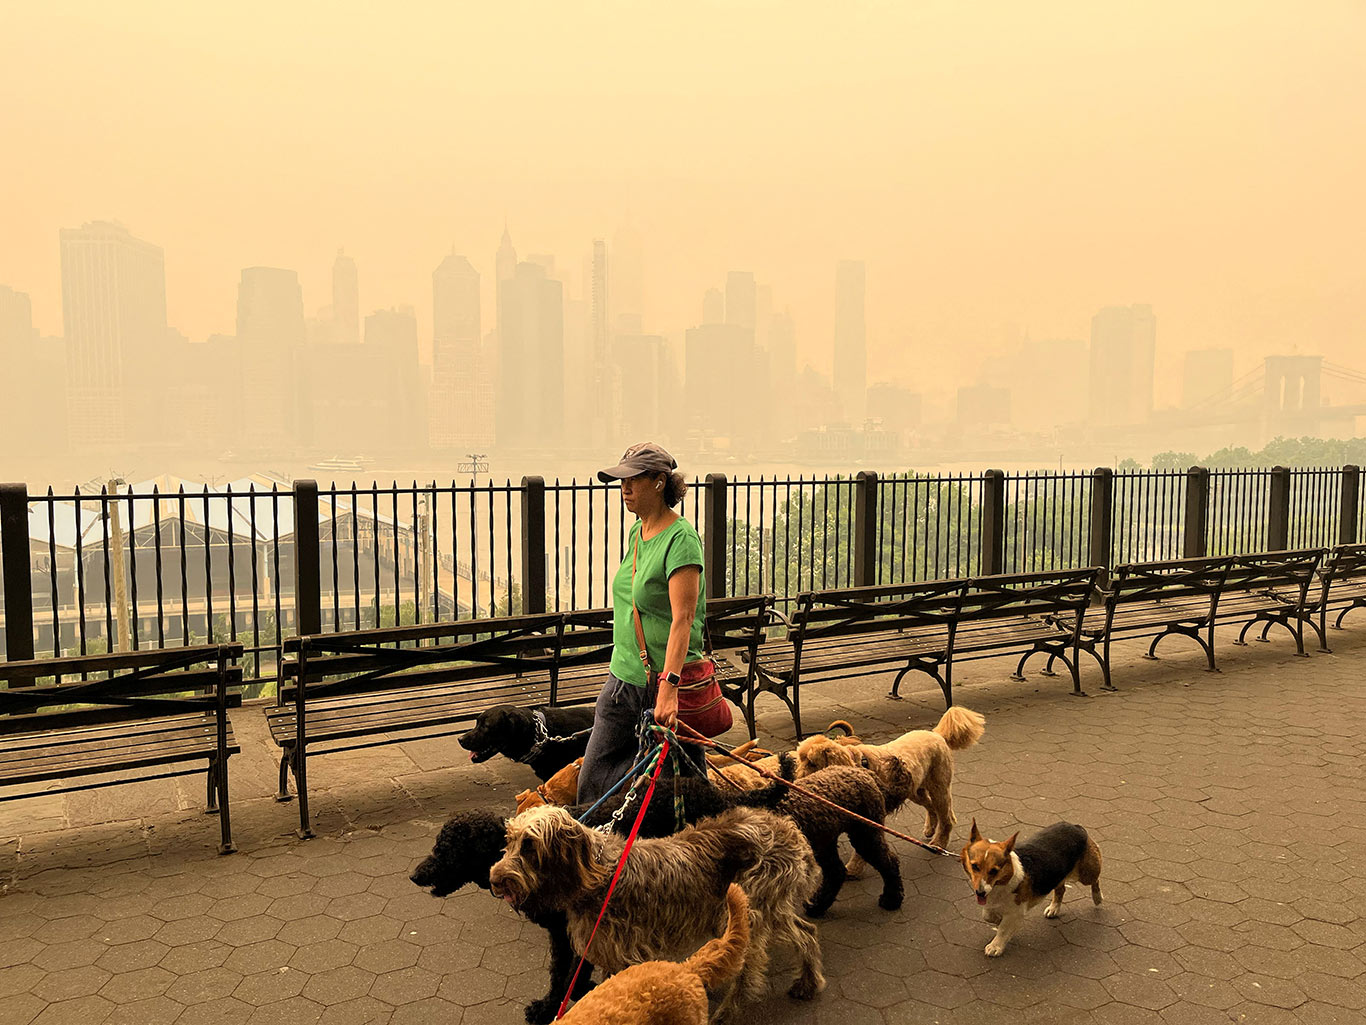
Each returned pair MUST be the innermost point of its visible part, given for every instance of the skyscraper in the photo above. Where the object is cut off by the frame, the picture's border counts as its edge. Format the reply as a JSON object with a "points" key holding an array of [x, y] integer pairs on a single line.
{"points": [[270, 342], [16, 318], [1123, 350], [714, 307], [628, 277], [600, 311], [504, 266], [346, 299], [462, 393], [741, 299], [114, 315], [529, 412], [605, 380], [719, 376], [851, 342]]}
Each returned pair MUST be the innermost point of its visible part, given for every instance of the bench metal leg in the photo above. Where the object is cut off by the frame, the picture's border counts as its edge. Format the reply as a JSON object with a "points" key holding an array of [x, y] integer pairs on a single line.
{"points": [[795, 706], [301, 782], [285, 758], [211, 786], [224, 811]]}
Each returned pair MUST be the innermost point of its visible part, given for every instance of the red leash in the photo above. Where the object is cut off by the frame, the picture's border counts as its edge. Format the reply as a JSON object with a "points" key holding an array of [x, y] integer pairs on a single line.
{"points": [[621, 863]]}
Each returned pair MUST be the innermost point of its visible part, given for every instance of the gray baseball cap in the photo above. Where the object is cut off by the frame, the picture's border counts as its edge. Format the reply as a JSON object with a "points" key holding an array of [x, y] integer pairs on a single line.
{"points": [[646, 457]]}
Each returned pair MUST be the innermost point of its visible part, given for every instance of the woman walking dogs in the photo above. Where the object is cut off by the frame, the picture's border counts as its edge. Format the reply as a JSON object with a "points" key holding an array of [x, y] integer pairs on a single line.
{"points": [[658, 589]]}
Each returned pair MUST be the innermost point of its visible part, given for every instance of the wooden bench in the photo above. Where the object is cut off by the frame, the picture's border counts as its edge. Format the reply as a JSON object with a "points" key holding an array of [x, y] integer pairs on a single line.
{"points": [[345, 691], [923, 627], [65, 719], [366, 688], [1341, 588], [1190, 597], [1026, 614]]}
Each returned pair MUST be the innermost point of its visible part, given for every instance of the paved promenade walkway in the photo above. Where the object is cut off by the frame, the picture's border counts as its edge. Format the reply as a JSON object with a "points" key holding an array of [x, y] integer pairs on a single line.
{"points": [[1230, 808]]}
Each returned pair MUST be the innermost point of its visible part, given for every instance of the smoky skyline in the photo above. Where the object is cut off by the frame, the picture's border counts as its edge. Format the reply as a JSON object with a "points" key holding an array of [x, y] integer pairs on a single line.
{"points": [[1001, 171]]}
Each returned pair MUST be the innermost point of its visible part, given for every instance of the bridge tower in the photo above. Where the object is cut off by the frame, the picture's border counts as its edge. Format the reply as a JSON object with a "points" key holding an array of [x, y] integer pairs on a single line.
{"points": [[1292, 399]]}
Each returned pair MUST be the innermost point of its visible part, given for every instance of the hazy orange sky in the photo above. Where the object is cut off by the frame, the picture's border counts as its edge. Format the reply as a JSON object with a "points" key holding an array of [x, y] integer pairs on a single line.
{"points": [[995, 164]]}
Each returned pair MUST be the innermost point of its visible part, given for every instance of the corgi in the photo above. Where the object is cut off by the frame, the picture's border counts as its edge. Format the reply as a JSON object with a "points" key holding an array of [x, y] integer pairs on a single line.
{"points": [[1010, 878]]}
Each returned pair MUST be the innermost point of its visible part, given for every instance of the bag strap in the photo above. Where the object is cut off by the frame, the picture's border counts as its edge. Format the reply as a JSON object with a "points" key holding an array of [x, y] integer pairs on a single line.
{"points": [[635, 614]]}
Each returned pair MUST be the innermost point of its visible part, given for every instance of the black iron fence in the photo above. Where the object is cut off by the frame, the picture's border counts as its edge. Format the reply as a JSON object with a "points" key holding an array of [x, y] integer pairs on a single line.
{"points": [[151, 567]]}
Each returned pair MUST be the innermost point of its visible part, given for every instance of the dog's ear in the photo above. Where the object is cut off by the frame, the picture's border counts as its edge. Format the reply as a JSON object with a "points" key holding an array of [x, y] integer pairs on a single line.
{"points": [[1010, 844], [974, 836]]}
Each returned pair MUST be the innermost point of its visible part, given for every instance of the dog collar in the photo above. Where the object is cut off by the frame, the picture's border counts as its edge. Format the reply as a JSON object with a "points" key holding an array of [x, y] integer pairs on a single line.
{"points": [[542, 735]]}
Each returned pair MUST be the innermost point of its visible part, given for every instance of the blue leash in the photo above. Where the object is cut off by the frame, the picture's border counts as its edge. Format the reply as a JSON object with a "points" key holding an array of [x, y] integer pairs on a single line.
{"points": [[631, 774]]}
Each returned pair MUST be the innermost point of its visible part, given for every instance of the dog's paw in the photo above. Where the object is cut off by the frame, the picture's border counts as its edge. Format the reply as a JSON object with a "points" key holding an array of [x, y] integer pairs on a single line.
{"points": [[1051, 911], [995, 949], [890, 901], [815, 910], [806, 988], [853, 868]]}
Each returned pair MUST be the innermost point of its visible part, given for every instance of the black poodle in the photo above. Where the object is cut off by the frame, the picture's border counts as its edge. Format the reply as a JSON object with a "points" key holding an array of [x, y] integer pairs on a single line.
{"points": [[471, 842], [510, 731]]}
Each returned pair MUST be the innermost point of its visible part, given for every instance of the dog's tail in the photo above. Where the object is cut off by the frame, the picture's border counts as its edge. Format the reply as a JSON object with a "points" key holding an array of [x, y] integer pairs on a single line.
{"points": [[721, 959], [843, 727], [961, 727]]}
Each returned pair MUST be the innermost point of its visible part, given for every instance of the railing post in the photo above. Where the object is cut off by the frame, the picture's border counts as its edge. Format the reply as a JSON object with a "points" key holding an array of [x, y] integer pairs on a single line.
{"points": [[714, 543], [533, 546], [1196, 541], [308, 604], [15, 566], [1278, 511], [993, 559], [1103, 520], [1350, 497], [865, 529]]}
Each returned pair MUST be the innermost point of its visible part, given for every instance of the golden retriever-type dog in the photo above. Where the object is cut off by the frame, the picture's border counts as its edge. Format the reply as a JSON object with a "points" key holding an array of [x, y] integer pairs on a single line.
{"points": [[666, 992], [926, 756], [745, 778]]}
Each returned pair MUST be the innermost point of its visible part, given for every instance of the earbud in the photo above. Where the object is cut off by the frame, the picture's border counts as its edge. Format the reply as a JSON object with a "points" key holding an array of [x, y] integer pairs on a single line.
{"points": [[659, 485]]}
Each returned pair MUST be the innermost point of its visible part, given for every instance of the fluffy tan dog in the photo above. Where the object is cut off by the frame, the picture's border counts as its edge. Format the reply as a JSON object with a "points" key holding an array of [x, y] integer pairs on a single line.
{"points": [[561, 788], [746, 779], [925, 755], [666, 992]]}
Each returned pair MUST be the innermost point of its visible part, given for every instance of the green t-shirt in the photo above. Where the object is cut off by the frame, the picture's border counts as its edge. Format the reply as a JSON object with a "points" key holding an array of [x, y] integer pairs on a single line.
{"points": [[671, 549]]}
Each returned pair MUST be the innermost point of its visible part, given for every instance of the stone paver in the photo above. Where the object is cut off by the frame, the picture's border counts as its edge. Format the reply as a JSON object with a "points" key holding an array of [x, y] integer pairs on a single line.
{"points": [[1230, 809]]}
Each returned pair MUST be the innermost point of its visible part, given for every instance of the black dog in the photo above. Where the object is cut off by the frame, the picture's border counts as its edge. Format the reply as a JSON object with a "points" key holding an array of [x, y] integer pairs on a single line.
{"points": [[511, 731], [470, 843]]}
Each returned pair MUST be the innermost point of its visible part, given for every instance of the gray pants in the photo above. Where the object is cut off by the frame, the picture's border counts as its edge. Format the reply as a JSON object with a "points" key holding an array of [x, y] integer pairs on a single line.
{"points": [[613, 745]]}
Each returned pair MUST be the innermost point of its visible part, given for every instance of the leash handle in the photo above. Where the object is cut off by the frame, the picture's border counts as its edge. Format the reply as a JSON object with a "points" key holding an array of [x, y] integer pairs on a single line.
{"points": [[621, 863]]}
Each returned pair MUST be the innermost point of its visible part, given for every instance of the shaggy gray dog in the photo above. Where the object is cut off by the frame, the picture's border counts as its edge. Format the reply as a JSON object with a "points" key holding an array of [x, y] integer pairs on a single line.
{"points": [[671, 895]]}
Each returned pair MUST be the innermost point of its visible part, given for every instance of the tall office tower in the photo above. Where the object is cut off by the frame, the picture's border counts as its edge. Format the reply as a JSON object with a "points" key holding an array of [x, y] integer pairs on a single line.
{"points": [[719, 374], [605, 381], [529, 411], [504, 267], [782, 358], [346, 299], [1123, 348], [642, 365], [851, 342], [763, 314], [628, 279], [114, 313], [462, 390], [1208, 372], [391, 347], [714, 307], [270, 339], [741, 298], [16, 318], [600, 311]]}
